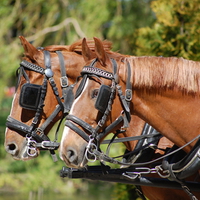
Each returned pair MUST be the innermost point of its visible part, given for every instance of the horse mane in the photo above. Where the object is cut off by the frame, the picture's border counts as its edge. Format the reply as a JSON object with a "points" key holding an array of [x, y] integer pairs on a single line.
{"points": [[77, 46], [53, 48], [170, 73]]}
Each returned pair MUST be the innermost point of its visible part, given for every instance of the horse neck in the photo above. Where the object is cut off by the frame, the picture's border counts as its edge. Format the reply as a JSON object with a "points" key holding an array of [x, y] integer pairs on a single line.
{"points": [[135, 129], [170, 112]]}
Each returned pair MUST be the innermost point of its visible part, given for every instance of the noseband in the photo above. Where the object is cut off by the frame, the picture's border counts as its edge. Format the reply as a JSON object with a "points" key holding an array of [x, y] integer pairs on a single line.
{"points": [[32, 98]]}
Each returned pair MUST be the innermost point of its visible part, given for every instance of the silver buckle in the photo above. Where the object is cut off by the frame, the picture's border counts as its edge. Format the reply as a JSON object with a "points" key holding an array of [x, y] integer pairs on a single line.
{"points": [[31, 147], [64, 81], [128, 95]]}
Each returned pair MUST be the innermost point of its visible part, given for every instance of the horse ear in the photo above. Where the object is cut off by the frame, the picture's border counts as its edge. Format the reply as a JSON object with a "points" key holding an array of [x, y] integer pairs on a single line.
{"points": [[100, 52], [29, 49], [86, 52]]}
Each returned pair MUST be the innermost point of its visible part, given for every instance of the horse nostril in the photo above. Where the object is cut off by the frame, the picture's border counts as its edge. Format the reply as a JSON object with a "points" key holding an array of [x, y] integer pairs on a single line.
{"points": [[12, 149], [72, 156]]}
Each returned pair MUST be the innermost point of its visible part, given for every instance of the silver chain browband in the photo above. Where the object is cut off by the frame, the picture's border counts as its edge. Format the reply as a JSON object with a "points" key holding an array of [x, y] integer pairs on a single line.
{"points": [[97, 71], [32, 67]]}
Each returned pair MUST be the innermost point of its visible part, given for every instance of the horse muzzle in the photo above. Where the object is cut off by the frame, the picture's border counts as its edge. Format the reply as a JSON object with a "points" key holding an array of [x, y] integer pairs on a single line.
{"points": [[18, 149]]}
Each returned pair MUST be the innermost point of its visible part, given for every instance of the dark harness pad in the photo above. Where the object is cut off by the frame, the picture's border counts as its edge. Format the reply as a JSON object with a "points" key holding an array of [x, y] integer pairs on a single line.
{"points": [[103, 98], [30, 96]]}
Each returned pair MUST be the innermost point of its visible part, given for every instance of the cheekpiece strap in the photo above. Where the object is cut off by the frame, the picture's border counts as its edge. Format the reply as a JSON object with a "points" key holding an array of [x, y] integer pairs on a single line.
{"points": [[128, 92], [63, 79]]}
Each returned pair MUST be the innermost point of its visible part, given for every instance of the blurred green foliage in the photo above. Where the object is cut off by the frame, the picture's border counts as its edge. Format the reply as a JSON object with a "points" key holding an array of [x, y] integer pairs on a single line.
{"points": [[175, 31]]}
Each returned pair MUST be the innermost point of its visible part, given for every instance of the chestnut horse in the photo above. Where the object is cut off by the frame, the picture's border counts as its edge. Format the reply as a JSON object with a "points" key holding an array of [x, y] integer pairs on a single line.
{"points": [[165, 94], [15, 140], [15, 143]]}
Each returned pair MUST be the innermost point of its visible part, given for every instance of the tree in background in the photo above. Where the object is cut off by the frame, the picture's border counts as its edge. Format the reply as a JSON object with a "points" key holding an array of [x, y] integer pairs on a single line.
{"points": [[125, 19], [63, 22], [175, 32]]}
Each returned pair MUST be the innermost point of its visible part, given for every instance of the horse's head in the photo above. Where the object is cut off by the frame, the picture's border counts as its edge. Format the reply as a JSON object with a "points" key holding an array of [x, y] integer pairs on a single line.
{"points": [[37, 103], [92, 110]]}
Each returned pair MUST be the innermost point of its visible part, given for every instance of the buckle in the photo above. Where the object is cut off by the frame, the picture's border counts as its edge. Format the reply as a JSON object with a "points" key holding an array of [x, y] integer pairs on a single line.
{"points": [[128, 95], [64, 81]]}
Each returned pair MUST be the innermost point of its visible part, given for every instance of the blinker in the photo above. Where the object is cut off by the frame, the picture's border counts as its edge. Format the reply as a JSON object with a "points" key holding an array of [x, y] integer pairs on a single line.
{"points": [[30, 96], [103, 98]]}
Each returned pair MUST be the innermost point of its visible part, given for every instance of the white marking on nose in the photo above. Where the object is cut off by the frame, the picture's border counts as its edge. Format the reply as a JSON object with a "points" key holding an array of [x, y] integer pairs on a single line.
{"points": [[67, 130]]}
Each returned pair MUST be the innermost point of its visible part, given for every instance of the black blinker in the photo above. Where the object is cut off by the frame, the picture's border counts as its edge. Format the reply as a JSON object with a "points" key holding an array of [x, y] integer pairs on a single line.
{"points": [[30, 96], [103, 98]]}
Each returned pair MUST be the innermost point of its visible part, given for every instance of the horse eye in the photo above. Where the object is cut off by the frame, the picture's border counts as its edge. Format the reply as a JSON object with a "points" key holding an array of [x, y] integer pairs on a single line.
{"points": [[95, 93]]}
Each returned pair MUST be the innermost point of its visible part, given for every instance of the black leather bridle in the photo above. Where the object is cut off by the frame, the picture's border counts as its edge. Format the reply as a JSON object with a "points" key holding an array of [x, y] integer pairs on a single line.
{"points": [[34, 134], [93, 135]]}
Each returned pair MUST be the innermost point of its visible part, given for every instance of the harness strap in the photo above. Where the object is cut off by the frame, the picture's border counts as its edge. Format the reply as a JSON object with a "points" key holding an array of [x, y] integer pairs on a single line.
{"points": [[63, 79], [109, 128], [124, 105], [99, 72], [128, 92], [139, 192], [81, 86], [40, 107], [24, 74], [55, 90], [186, 166], [140, 137], [18, 126], [22, 128], [47, 59], [114, 79], [173, 177], [104, 157], [67, 92], [49, 119], [80, 122], [77, 130], [125, 99], [48, 74]]}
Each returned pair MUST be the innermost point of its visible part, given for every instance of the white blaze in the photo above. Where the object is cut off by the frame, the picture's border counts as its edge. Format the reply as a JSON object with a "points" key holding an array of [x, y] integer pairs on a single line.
{"points": [[67, 129]]}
